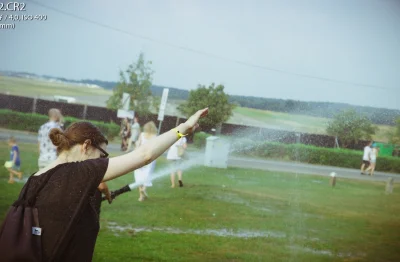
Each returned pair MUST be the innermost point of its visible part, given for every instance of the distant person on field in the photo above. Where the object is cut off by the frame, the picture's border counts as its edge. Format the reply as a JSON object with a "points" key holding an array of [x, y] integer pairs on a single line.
{"points": [[366, 157], [15, 161], [135, 131], [174, 156], [47, 151], [373, 155], [125, 134]]}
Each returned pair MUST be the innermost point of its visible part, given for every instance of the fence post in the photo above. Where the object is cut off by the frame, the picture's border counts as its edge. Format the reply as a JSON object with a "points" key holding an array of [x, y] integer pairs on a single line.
{"points": [[336, 142], [84, 112], [298, 138], [389, 186], [332, 181], [34, 105]]}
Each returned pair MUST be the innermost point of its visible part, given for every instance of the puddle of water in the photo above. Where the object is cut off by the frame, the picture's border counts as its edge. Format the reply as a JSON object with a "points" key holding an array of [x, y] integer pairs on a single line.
{"points": [[327, 252], [116, 229], [312, 251], [214, 232], [317, 181], [230, 176], [235, 199]]}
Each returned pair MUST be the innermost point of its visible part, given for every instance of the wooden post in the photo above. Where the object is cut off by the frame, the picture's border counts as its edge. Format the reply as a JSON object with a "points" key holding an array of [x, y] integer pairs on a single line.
{"points": [[389, 186], [34, 105], [336, 143], [177, 121], [84, 112], [218, 129], [298, 138], [332, 181]]}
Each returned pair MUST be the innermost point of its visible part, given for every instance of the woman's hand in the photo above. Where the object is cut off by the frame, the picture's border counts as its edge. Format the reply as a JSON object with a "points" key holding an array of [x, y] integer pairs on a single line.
{"points": [[191, 123], [103, 188]]}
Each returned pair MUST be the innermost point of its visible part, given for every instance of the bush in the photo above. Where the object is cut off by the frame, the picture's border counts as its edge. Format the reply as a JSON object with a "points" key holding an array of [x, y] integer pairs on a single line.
{"points": [[32, 122]]}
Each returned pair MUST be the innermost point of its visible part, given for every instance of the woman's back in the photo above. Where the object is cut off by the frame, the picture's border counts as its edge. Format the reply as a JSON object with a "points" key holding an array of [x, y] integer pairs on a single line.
{"points": [[68, 208]]}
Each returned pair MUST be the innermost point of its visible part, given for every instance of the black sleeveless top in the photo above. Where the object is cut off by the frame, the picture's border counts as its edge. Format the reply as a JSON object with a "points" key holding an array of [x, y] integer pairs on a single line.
{"points": [[69, 208]]}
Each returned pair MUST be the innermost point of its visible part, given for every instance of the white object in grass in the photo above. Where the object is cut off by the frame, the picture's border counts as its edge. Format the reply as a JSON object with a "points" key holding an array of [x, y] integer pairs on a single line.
{"points": [[8, 164]]}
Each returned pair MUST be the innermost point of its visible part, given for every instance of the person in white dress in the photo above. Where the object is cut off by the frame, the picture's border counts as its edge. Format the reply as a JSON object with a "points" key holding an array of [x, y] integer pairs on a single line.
{"points": [[373, 155], [175, 158], [143, 174]]}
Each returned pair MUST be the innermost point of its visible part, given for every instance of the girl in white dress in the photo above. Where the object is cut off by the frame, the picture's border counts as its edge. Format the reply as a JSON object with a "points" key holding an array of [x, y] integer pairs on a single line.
{"points": [[174, 157], [143, 174]]}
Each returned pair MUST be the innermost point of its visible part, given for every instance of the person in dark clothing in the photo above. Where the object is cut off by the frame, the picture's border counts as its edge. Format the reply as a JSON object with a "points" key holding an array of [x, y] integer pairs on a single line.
{"points": [[69, 203], [125, 134]]}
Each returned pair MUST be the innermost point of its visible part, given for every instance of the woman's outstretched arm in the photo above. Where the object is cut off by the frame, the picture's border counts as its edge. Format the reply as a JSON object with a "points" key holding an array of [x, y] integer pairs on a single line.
{"points": [[147, 153]]}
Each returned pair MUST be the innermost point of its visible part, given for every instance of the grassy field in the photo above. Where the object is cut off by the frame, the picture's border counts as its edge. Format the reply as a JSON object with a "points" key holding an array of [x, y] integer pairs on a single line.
{"points": [[45, 89], [241, 215], [279, 120], [241, 115]]}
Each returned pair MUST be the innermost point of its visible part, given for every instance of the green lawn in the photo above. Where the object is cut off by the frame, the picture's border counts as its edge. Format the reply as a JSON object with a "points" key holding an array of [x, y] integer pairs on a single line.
{"points": [[291, 218], [284, 120], [46, 89]]}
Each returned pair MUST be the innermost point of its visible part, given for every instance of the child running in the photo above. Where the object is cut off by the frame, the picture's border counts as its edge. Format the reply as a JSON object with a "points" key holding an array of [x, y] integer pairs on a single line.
{"points": [[15, 159]]}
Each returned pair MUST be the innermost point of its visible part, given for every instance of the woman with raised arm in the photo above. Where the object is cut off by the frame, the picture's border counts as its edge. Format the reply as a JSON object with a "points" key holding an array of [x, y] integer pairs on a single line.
{"points": [[67, 193]]}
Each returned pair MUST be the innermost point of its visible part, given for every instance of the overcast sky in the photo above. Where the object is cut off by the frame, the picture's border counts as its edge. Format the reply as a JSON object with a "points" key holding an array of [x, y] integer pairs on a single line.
{"points": [[356, 41]]}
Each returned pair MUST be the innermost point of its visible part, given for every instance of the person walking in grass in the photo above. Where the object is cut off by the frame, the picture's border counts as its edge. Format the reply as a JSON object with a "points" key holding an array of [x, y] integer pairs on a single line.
{"points": [[125, 134], [366, 157], [174, 156], [135, 131], [373, 156], [14, 165], [143, 175]]}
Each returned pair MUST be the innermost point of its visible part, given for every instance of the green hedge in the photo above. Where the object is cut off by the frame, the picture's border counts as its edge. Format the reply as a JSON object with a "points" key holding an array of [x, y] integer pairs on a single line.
{"points": [[313, 155], [32, 122], [303, 153]]}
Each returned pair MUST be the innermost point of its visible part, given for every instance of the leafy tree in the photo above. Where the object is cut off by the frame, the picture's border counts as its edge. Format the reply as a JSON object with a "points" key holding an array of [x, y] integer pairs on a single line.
{"points": [[214, 97], [290, 105], [394, 136], [350, 127], [136, 81]]}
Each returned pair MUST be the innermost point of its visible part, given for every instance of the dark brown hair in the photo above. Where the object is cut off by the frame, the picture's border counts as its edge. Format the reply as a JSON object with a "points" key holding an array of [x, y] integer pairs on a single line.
{"points": [[77, 133]]}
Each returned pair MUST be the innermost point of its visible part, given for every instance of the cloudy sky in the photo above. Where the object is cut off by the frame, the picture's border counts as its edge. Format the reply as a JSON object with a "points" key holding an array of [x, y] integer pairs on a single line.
{"points": [[257, 48]]}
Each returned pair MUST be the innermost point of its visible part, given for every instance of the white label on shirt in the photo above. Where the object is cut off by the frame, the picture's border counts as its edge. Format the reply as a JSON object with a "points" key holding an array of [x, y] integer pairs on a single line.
{"points": [[36, 231]]}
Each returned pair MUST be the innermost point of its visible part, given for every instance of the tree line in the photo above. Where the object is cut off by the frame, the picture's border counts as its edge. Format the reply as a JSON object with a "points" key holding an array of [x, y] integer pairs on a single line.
{"points": [[380, 116], [347, 123]]}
